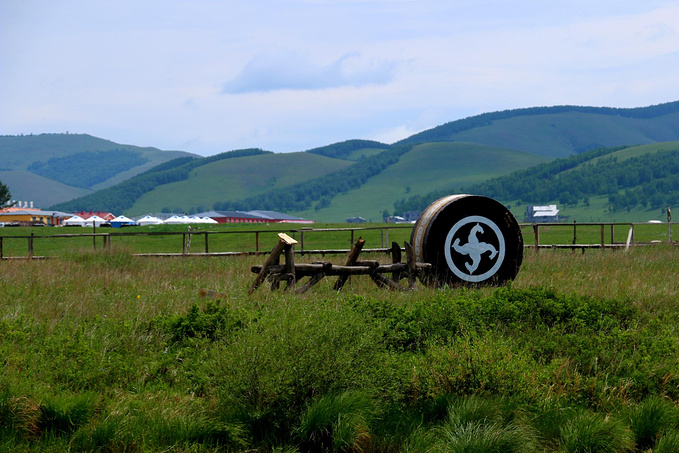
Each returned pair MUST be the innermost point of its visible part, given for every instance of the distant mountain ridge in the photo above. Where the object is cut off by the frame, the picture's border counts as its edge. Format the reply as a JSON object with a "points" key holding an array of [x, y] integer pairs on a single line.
{"points": [[330, 183], [561, 130], [80, 162]]}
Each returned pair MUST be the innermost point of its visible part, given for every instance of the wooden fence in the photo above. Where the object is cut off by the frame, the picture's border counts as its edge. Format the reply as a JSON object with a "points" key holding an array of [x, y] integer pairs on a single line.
{"points": [[537, 236]]}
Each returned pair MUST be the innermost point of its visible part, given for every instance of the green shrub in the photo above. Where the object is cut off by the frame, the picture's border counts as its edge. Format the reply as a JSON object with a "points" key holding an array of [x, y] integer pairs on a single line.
{"points": [[650, 419], [669, 443], [481, 425], [297, 352], [337, 422], [595, 433], [63, 415], [213, 322]]}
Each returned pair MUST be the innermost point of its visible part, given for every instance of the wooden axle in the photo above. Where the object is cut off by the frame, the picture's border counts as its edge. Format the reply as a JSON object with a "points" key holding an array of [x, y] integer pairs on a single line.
{"points": [[290, 272]]}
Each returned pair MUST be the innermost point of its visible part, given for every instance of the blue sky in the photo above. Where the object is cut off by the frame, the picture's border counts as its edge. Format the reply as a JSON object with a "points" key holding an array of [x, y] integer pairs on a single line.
{"points": [[208, 76]]}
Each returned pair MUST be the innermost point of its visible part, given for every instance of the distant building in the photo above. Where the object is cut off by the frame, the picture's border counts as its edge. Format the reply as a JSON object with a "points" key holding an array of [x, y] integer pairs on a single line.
{"points": [[412, 216], [252, 217], [356, 220], [87, 214], [279, 217], [29, 216], [542, 214]]}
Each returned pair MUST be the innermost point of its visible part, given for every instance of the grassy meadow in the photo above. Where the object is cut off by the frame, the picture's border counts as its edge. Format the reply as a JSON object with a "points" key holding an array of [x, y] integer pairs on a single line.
{"points": [[104, 351]]}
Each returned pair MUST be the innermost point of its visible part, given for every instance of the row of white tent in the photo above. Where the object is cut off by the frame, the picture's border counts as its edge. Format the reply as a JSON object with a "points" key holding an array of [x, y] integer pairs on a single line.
{"points": [[146, 220]]}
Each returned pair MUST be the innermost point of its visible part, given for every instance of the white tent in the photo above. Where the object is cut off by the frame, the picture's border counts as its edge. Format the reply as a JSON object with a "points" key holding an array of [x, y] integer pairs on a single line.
{"points": [[94, 220], [120, 221], [149, 220], [76, 220], [174, 220], [202, 220]]}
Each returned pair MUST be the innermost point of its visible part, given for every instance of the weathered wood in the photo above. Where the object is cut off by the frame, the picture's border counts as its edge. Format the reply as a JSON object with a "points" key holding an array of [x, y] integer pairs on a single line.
{"points": [[305, 269], [286, 239], [412, 266], [385, 282], [396, 258], [290, 264], [351, 259], [275, 253]]}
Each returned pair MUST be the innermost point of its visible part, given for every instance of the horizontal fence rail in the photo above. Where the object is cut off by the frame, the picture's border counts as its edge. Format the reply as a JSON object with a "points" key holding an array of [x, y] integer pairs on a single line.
{"points": [[323, 241]]}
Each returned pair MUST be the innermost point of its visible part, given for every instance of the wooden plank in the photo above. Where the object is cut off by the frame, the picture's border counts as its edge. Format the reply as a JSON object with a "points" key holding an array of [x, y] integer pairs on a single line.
{"points": [[287, 239], [351, 259], [275, 253], [412, 266], [290, 264], [396, 259], [385, 282]]}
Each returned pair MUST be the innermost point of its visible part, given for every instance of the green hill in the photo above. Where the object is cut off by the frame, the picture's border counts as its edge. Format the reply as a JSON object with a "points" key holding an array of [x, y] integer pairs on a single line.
{"points": [[561, 131], [75, 161], [366, 178], [628, 183], [426, 167], [235, 179], [41, 191]]}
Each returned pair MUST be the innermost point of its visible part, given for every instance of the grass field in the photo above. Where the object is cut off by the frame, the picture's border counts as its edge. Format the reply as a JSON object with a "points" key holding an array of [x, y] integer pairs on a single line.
{"points": [[14, 242], [110, 352]]}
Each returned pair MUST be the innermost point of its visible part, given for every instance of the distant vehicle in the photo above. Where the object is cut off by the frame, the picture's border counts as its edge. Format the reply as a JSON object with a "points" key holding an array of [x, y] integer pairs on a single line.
{"points": [[654, 221]]}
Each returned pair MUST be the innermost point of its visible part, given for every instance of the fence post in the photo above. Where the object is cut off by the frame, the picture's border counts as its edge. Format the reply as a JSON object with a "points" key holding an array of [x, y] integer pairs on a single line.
{"points": [[257, 241], [602, 235], [1, 251], [386, 238], [536, 232], [630, 237], [575, 232], [30, 246], [669, 226], [207, 248], [301, 240], [612, 234]]}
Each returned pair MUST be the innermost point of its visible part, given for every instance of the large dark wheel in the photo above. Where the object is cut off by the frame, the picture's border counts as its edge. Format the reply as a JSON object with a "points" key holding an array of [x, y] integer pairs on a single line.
{"points": [[469, 240]]}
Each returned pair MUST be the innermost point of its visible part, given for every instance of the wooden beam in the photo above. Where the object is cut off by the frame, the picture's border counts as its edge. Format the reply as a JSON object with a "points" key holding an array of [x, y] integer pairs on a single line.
{"points": [[412, 266], [275, 253], [351, 259]]}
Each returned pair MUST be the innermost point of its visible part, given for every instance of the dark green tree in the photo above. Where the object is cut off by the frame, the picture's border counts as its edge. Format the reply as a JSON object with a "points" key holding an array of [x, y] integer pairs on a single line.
{"points": [[5, 194]]}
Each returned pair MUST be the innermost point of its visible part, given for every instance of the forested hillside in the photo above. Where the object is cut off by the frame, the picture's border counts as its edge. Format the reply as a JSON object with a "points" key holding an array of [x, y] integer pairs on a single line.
{"points": [[88, 168], [562, 130], [320, 191], [122, 196], [646, 177], [69, 165], [367, 178], [349, 149]]}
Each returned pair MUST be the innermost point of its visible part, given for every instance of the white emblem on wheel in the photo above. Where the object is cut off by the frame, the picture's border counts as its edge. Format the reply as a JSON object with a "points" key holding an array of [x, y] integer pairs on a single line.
{"points": [[476, 252]]}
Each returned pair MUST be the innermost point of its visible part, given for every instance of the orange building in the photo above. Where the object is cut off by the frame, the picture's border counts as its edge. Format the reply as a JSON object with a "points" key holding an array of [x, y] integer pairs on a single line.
{"points": [[29, 216]]}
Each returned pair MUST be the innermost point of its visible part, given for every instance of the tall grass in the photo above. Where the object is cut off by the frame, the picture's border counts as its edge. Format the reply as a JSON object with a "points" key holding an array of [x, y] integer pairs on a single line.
{"points": [[108, 352]]}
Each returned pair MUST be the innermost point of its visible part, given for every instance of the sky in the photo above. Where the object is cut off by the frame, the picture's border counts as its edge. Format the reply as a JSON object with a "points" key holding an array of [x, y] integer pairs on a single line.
{"points": [[208, 76]]}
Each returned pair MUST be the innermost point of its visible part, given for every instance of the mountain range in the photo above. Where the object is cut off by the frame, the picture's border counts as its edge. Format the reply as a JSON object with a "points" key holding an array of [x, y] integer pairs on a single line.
{"points": [[546, 146]]}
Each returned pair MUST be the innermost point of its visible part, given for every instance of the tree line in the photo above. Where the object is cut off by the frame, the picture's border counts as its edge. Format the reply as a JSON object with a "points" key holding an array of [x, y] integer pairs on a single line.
{"points": [[650, 181], [445, 131], [122, 196], [100, 166], [322, 190]]}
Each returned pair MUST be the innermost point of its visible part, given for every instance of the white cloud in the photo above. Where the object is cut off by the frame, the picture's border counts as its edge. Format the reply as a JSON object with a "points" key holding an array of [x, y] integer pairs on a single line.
{"points": [[287, 75], [290, 71]]}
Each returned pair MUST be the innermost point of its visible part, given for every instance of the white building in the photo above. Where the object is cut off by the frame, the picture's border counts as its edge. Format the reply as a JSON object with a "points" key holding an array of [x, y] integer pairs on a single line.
{"points": [[542, 214]]}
